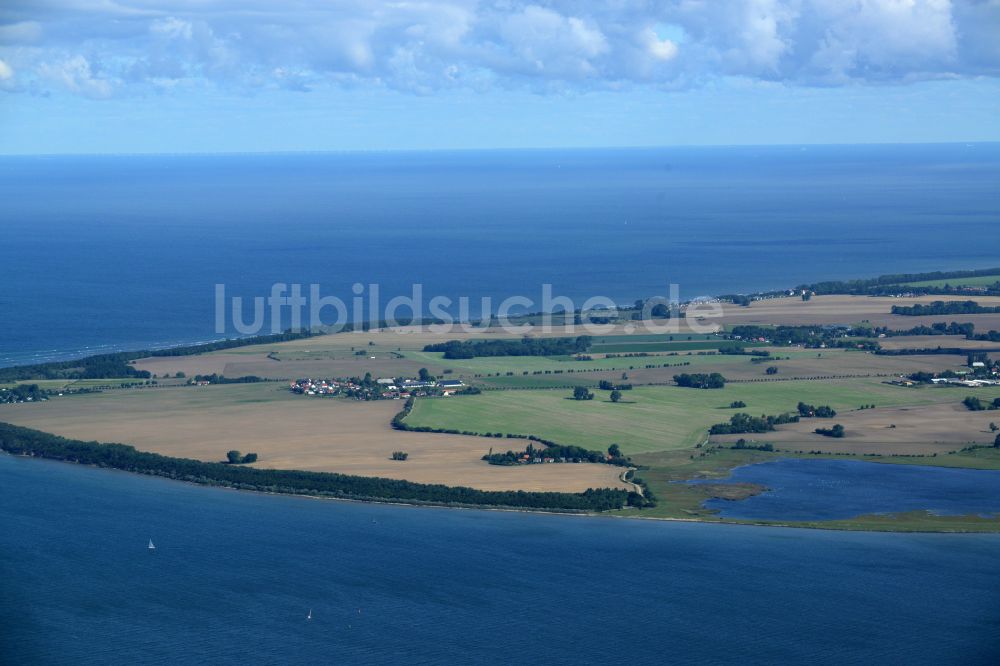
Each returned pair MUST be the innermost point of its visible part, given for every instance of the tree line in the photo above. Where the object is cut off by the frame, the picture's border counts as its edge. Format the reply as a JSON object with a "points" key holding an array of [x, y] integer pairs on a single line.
{"points": [[944, 308], [222, 379], [459, 349], [894, 283], [553, 451]]}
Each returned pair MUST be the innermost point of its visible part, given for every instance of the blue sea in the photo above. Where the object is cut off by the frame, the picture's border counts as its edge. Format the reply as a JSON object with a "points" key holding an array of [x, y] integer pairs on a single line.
{"points": [[124, 252], [234, 575]]}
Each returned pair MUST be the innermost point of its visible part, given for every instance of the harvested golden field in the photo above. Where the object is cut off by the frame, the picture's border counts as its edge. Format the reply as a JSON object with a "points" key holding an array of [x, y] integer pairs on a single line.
{"points": [[383, 352], [325, 364], [202, 364], [919, 430], [292, 432]]}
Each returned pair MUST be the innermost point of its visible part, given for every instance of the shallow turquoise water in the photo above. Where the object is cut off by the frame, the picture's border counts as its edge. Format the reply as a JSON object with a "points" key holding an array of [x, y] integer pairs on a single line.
{"points": [[234, 575]]}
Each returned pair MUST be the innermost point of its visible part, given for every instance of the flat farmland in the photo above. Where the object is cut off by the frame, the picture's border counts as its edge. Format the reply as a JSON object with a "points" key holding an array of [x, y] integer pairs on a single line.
{"points": [[333, 353], [792, 363], [292, 432], [923, 430], [935, 341], [851, 310], [648, 418]]}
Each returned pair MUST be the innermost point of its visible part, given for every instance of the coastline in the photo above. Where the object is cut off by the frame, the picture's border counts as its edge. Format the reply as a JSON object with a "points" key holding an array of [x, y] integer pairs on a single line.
{"points": [[540, 499], [835, 526]]}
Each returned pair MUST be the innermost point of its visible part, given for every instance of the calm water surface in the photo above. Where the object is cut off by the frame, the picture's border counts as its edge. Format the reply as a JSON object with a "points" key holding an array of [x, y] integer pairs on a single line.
{"points": [[234, 575], [105, 253], [835, 489]]}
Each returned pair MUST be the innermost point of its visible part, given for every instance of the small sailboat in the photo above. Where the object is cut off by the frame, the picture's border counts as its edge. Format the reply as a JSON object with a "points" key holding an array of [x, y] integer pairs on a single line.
{"points": [[151, 546], [310, 616]]}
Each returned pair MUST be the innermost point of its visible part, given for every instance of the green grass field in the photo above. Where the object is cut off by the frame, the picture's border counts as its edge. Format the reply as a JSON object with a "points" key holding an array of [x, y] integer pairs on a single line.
{"points": [[648, 418]]}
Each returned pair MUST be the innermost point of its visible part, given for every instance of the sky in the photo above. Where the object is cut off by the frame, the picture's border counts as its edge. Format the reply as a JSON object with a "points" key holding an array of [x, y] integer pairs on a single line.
{"points": [[155, 76]]}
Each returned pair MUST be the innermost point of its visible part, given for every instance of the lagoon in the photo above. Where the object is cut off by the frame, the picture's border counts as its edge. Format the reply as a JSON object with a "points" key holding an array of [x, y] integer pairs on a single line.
{"points": [[830, 489]]}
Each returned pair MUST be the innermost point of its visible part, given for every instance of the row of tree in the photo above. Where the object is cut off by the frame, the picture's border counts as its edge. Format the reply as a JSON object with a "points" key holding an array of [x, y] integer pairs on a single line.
{"points": [[560, 452], [458, 349], [938, 328], [222, 379], [944, 308]]}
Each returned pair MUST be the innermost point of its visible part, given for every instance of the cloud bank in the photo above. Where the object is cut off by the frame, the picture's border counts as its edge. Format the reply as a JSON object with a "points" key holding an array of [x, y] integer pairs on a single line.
{"points": [[108, 48]]}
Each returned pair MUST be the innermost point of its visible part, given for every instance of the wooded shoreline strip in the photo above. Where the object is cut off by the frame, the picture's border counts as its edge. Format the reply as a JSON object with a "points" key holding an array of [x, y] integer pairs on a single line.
{"points": [[28, 442]]}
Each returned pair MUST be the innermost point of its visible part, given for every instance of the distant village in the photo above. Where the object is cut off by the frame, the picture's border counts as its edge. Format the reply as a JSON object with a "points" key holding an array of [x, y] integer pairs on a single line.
{"points": [[383, 388]]}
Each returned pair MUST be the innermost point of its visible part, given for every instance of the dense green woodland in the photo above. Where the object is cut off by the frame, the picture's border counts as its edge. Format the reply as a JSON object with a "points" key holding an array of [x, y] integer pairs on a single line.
{"points": [[809, 336], [944, 308], [888, 285], [25, 441], [701, 380], [525, 347], [744, 423]]}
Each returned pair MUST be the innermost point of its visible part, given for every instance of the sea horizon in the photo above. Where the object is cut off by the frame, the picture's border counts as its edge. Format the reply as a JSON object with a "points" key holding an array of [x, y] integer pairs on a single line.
{"points": [[159, 232], [489, 149]]}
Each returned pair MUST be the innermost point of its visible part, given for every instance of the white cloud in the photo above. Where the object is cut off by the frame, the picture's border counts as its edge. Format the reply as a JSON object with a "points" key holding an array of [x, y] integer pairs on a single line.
{"points": [[6, 73], [547, 44], [76, 75], [424, 45], [659, 49]]}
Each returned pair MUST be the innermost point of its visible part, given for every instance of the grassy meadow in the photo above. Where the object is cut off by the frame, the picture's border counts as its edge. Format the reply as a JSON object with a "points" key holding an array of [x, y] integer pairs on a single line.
{"points": [[652, 418]]}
